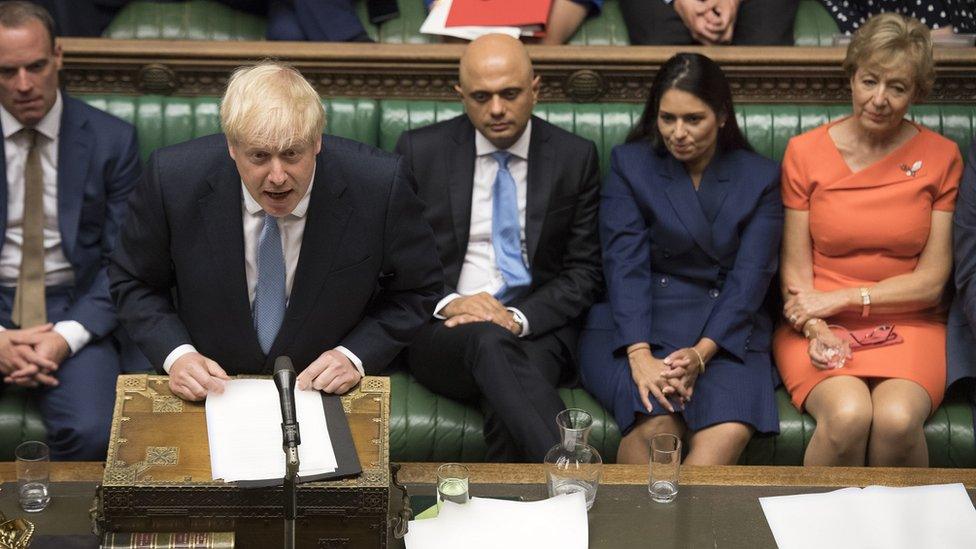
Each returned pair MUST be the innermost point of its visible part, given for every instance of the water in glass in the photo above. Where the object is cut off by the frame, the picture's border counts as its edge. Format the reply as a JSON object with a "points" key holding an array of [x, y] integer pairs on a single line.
{"points": [[562, 485], [453, 490], [34, 497], [663, 491]]}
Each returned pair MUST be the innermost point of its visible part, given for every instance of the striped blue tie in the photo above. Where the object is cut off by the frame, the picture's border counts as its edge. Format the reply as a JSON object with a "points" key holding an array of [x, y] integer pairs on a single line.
{"points": [[506, 232], [269, 295]]}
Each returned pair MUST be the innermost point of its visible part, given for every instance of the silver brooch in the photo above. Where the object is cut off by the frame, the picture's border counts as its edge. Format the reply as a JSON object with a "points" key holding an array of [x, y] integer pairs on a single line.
{"points": [[911, 171]]}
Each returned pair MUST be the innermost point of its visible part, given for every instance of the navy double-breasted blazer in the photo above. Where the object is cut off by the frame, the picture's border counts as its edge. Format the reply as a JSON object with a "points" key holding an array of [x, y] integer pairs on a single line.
{"points": [[683, 264]]}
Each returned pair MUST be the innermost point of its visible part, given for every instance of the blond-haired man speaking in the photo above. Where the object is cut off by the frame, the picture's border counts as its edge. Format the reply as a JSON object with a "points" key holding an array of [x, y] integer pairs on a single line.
{"points": [[278, 241]]}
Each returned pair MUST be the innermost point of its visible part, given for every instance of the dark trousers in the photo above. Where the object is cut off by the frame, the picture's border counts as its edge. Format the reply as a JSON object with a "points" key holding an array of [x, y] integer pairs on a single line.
{"points": [[758, 23], [315, 21], [514, 380], [78, 411]]}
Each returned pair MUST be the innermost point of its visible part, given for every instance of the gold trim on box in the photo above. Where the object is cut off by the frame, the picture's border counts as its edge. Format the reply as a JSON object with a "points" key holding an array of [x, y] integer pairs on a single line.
{"points": [[119, 473], [162, 455], [167, 405]]}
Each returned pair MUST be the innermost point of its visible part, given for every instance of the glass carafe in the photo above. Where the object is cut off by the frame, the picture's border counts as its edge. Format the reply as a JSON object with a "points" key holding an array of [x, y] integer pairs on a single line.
{"points": [[573, 465]]}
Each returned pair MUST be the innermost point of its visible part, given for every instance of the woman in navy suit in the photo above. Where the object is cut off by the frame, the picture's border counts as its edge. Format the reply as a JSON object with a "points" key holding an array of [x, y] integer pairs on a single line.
{"points": [[690, 221]]}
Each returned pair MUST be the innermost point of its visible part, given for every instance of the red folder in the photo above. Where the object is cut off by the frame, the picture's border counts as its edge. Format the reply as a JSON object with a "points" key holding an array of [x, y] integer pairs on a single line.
{"points": [[498, 13]]}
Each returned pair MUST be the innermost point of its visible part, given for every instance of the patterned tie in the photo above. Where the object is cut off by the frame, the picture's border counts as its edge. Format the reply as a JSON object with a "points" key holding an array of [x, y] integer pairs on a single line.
{"points": [[29, 307], [269, 295], [506, 232]]}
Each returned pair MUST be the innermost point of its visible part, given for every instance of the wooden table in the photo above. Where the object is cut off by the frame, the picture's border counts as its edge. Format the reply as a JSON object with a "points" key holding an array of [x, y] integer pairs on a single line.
{"points": [[716, 506]]}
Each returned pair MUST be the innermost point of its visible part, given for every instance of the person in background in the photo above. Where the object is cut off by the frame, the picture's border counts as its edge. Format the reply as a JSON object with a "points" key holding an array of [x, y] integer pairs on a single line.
{"points": [[710, 22], [513, 203], [944, 17], [961, 336], [867, 252], [68, 169], [690, 221], [315, 21]]}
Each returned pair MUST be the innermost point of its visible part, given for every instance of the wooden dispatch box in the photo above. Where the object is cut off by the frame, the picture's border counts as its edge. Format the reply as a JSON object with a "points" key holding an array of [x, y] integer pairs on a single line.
{"points": [[157, 475]]}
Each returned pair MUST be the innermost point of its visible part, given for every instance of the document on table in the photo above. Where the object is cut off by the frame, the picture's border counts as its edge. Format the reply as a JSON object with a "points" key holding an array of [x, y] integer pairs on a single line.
{"points": [[436, 23], [879, 517], [244, 429], [559, 522]]}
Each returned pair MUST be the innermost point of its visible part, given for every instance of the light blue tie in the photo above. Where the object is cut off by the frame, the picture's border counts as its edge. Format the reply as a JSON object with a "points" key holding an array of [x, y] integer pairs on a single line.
{"points": [[506, 232], [269, 295]]}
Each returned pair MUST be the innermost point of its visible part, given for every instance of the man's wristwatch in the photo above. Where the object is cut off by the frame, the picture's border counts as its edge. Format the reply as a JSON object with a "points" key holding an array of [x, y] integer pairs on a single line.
{"points": [[518, 322]]}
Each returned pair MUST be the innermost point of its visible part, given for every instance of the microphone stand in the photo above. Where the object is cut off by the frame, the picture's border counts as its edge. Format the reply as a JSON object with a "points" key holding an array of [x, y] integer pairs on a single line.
{"points": [[290, 486], [284, 378]]}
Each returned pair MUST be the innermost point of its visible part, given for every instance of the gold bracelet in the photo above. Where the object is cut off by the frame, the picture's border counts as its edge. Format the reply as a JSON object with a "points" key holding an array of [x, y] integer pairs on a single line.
{"points": [[865, 301], [701, 363], [806, 325], [641, 348]]}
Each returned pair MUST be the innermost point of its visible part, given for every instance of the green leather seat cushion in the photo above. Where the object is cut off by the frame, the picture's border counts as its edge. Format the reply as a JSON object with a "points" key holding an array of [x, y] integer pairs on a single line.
{"points": [[210, 20]]}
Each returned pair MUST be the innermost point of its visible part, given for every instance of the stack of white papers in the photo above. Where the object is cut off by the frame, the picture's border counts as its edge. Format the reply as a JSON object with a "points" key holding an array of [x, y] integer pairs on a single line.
{"points": [[874, 517], [244, 429], [558, 523]]}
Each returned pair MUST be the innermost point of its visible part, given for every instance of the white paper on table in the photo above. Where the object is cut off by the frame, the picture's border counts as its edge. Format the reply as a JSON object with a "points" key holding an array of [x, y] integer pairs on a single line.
{"points": [[244, 430], [879, 517], [482, 523], [436, 23]]}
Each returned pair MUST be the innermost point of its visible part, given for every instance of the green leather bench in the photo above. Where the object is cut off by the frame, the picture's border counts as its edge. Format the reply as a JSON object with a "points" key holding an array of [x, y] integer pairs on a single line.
{"points": [[209, 20], [425, 427]]}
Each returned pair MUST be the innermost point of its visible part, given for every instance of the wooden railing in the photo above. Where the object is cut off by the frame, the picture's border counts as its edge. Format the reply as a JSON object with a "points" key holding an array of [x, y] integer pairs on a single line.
{"points": [[569, 73]]}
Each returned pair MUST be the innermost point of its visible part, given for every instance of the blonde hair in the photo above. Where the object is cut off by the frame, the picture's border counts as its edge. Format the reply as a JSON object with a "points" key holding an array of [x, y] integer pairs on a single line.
{"points": [[271, 105], [890, 39]]}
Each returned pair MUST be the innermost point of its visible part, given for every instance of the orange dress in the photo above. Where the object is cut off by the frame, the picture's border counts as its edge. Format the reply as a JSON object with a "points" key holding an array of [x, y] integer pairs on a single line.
{"points": [[866, 227]]}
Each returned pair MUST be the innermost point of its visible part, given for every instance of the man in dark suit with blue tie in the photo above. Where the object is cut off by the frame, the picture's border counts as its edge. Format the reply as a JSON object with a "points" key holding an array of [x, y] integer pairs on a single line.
{"points": [[67, 169], [960, 337], [278, 241], [513, 203]]}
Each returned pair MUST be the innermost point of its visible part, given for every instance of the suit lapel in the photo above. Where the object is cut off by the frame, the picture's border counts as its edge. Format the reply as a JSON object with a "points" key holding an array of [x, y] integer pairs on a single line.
{"points": [[718, 179], [681, 194], [460, 174], [222, 218], [539, 185], [74, 144], [329, 212]]}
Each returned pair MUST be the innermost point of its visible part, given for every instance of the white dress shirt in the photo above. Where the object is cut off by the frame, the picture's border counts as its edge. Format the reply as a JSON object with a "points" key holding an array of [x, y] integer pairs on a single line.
{"points": [[57, 268], [292, 228], [480, 272]]}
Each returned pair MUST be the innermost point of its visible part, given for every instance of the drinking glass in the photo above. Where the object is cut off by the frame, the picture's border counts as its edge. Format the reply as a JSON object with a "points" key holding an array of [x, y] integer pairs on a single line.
{"points": [[33, 474], [452, 483], [664, 467]]}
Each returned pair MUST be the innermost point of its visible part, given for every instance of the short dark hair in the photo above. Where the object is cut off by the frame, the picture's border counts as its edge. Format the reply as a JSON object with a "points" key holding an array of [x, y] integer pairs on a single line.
{"points": [[700, 76], [16, 13]]}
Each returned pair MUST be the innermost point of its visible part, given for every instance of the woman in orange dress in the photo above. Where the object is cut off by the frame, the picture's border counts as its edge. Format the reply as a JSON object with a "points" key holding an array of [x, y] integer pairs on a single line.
{"points": [[867, 243]]}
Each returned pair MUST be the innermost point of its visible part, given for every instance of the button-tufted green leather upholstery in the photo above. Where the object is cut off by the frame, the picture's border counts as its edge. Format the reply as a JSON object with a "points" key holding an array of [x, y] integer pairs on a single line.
{"points": [[428, 427], [208, 20], [193, 20]]}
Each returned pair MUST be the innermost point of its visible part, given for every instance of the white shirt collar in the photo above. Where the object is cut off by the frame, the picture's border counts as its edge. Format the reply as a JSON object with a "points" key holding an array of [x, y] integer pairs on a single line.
{"points": [[49, 126], [300, 210], [520, 149]]}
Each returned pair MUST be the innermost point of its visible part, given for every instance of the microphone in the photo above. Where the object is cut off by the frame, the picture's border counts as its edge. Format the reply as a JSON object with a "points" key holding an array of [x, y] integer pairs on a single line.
{"points": [[284, 378]]}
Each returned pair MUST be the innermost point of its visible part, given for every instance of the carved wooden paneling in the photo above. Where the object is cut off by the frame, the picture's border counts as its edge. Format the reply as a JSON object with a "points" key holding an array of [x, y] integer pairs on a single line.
{"points": [[429, 71]]}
